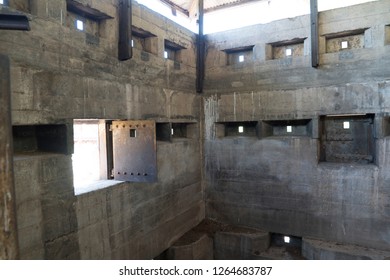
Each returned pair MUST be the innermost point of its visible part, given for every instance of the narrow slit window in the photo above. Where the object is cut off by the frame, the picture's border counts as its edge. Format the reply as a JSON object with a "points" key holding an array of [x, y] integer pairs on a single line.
{"points": [[165, 54]]}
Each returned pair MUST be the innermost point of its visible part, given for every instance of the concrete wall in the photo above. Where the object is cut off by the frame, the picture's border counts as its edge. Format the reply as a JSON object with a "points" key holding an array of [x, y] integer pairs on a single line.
{"points": [[8, 236], [277, 183], [59, 74]]}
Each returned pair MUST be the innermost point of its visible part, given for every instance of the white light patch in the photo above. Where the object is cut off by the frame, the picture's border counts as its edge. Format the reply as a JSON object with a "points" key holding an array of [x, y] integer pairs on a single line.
{"points": [[289, 128], [346, 125], [240, 129], [288, 52], [241, 58], [79, 25], [165, 54], [171, 131], [344, 44], [132, 43], [1, 1], [287, 239]]}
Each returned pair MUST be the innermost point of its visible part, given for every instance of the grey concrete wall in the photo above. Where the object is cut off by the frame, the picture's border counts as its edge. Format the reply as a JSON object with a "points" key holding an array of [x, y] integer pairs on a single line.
{"points": [[277, 183], [8, 235], [141, 220], [59, 74]]}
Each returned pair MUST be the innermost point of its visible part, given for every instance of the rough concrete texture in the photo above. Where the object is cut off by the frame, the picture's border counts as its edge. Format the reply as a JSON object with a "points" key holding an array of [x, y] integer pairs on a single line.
{"points": [[194, 247], [277, 183], [240, 245], [141, 220], [322, 250], [59, 74], [8, 236]]}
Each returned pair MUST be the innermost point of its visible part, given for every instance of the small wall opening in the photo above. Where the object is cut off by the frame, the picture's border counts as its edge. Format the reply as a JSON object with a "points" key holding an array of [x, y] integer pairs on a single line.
{"points": [[144, 40], [176, 130], [285, 49], [240, 129], [32, 139], [172, 51], [346, 40], [286, 128], [239, 55], [347, 139]]}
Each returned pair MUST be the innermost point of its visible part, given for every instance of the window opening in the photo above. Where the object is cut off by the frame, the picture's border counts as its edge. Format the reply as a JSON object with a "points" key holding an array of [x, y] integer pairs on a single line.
{"points": [[286, 48], [346, 40], [239, 54], [79, 25], [241, 129], [289, 128], [286, 239], [86, 156], [347, 139], [133, 133], [172, 51]]}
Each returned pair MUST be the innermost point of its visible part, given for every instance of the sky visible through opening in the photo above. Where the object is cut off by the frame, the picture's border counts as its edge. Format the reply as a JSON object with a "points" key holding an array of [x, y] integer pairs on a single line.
{"points": [[248, 14]]}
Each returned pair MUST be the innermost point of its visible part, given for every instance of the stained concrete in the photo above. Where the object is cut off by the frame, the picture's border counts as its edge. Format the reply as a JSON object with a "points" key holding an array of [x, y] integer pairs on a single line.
{"points": [[59, 74], [322, 250], [278, 182], [270, 181], [8, 236]]}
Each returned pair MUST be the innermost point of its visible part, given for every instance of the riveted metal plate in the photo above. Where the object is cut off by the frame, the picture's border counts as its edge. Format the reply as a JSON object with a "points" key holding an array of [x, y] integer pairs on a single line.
{"points": [[134, 146]]}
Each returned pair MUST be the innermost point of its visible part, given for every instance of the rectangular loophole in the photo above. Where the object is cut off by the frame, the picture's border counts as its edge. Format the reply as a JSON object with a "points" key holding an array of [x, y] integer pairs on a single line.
{"points": [[286, 128], [239, 55], [246, 129], [285, 49], [347, 139], [133, 133], [51, 138], [345, 40]]}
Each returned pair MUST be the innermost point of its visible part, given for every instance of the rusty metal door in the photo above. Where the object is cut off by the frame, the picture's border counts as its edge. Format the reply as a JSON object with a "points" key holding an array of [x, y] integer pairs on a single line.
{"points": [[134, 146]]}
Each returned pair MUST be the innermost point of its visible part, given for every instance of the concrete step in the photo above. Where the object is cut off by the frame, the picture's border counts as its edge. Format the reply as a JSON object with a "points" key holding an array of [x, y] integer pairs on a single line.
{"points": [[320, 250]]}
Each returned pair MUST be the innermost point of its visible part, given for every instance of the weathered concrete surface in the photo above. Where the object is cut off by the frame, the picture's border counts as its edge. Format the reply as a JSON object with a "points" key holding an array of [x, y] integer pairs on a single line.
{"points": [[59, 74], [240, 245], [199, 247], [322, 250], [277, 183], [141, 220], [8, 235]]}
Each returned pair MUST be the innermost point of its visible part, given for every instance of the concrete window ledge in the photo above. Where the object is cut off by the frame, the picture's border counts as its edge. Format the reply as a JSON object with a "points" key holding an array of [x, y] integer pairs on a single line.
{"points": [[94, 186]]}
